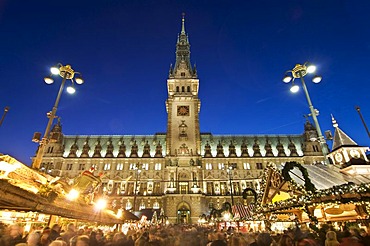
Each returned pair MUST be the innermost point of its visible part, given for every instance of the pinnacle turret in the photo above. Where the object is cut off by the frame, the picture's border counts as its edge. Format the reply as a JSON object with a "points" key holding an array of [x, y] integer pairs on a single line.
{"points": [[182, 68], [340, 138]]}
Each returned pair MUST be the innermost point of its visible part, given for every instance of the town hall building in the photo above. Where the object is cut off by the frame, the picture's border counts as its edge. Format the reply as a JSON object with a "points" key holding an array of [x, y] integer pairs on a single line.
{"points": [[184, 171]]}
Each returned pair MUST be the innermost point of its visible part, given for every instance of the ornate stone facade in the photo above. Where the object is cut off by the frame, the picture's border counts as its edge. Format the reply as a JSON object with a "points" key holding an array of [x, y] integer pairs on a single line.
{"points": [[183, 170]]}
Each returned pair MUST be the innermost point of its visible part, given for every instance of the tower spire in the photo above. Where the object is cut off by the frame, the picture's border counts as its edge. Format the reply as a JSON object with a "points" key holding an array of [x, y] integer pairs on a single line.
{"points": [[183, 68], [183, 24]]}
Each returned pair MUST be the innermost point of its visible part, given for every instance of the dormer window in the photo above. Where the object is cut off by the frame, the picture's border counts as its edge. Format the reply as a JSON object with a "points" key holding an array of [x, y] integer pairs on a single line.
{"points": [[182, 74]]}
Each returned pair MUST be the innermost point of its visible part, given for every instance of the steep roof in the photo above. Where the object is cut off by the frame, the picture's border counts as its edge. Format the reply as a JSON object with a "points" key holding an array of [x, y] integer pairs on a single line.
{"points": [[340, 138]]}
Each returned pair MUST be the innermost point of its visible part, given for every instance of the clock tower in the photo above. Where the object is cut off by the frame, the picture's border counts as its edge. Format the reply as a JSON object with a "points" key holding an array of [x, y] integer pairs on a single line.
{"points": [[183, 104]]}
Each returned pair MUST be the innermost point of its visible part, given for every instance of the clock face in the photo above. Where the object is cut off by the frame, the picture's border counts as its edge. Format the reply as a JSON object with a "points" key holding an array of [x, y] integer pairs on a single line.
{"points": [[183, 110], [338, 157], [354, 153]]}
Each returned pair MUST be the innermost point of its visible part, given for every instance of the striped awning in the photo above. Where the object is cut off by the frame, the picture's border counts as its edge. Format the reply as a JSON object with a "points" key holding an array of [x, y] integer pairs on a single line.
{"points": [[241, 211]]}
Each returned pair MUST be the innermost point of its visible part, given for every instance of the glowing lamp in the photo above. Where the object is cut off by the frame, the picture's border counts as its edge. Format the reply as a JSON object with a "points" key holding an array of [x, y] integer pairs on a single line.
{"points": [[79, 80], [311, 68], [287, 79], [48, 80], [73, 194], [71, 90], [54, 70], [317, 79], [294, 88], [101, 204]]}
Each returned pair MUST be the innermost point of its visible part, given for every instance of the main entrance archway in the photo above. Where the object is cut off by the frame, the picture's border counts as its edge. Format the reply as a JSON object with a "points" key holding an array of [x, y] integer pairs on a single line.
{"points": [[183, 213]]}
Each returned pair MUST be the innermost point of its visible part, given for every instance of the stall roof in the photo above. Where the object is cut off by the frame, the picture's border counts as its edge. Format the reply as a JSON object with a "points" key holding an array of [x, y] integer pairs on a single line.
{"points": [[326, 176], [20, 188]]}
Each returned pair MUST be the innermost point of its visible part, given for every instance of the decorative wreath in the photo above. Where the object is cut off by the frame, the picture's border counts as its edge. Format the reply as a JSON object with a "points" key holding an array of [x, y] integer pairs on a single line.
{"points": [[309, 186]]}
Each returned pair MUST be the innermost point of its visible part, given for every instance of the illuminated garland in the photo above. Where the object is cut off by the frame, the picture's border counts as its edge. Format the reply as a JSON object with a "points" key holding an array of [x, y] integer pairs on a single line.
{"points": [[339, 194], [309, 186]]}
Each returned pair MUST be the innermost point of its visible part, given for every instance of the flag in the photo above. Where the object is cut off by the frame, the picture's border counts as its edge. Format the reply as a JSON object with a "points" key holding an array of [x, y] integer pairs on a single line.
{"points": [[243, 211]]}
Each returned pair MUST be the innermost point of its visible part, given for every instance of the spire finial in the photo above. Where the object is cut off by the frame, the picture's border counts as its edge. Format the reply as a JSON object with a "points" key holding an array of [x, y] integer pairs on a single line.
{"points": [[335, 124], [183, 24]]}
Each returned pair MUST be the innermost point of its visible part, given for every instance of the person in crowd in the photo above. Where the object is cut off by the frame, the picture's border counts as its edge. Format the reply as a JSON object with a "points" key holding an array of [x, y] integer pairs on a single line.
{"points": [[237, 240], [69, 233], [365, 237], [93, 240], [285, 240], [130, 241], [34, 238], [349, 240], [58, 243], [14, 235], [100, 238], [45, 239], [331, 239], [143, 240], [54, 232], [307, 242], [83, 240], [355, 232], [220, 240], [264, 239]]}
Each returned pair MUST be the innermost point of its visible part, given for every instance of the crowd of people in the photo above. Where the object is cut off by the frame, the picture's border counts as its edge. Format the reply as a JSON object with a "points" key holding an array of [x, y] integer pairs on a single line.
{"points": [[178, 235]]}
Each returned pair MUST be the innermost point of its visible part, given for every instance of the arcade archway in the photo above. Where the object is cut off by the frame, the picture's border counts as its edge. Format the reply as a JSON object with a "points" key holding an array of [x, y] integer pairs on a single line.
{"points": [[183, 213]]}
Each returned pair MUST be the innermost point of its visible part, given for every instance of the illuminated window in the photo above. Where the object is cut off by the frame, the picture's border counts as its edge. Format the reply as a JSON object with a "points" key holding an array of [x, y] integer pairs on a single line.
{"points": [[119, 167], [132, 166], [221, 166], [249, 184], [106, 166], [142, 205], [145, 166], [156, 205], [69, 166], [157, 188], [246, 166], [158, 166], [209, 166], [128, 205]]}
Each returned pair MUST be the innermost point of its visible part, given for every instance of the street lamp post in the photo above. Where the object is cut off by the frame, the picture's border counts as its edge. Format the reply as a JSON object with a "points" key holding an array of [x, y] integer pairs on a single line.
{"points": [[229, 170], [138, 171], [6, 109], [67, 73], [299, 71], [358, 109]]}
